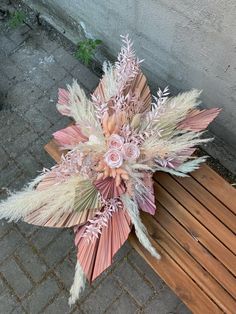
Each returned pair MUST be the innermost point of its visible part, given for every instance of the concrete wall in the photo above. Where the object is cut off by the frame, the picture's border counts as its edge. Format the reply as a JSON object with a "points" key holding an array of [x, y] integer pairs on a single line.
{"points": [[186, 43]]}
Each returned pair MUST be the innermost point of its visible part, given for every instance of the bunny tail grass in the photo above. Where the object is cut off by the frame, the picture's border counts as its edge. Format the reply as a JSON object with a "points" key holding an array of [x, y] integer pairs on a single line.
{"points": [[78, 284], [140, 229]]}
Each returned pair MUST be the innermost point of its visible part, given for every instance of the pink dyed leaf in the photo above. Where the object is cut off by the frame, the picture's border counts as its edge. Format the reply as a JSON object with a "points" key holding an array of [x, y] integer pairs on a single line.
{"points": [[198, 120], [146, 199], [95, 256], [69, 137], [107, 187], [147, 202]]}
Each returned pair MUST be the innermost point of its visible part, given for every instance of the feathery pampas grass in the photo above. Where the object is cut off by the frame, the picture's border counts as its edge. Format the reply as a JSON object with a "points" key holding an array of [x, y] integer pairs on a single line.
{"points": [[140, 229], [55, 200], [78, 284]]}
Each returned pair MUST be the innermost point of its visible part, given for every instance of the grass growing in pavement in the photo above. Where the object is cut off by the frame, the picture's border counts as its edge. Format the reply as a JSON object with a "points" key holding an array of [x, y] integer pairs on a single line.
{"points": [[16, 19], [86, 49]]}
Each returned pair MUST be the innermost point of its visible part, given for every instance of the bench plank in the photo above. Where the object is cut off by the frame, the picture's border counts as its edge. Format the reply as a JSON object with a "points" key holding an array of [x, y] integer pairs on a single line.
{"points": [[196, 250], [184, 259], [209, 201], [198, 231], [216, 185], [219, 230], [194, 230]]}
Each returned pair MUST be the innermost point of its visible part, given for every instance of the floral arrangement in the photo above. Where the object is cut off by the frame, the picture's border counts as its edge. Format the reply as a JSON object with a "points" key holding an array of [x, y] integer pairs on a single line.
{"points": [[119, 138]]}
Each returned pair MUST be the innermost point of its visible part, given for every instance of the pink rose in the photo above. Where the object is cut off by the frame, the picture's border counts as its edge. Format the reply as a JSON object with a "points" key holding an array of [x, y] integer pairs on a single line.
{"points": [[113, 158], [131, 151], [115, 141]]}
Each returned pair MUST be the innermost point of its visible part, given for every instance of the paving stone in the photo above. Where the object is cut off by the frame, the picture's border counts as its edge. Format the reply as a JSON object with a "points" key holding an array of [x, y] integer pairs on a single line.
{"points": [[29, 58], [84, 75], [65, 271], [147, 271], [31, 262], [40, 78], [123, 305], [22, 95], [9, 174], [59, 248], [47, 108], [38, 152], [29, 165], [65, 59], [12, 126], [4, 227], [55, 71], [133, 282], [7, 302], [46, 43], [10, 243], [165, 302], [41, 295], [19, 35], [21, 143], [60, 305], [16, 277], [26, 229], [99, 300], [18, 310], [19, 183], [6, 45], [67, 80], [2, 286], [182, 309], [10, 69], [44, 236], [123, 252], [38, 121], [5, 86], [4, 158]]}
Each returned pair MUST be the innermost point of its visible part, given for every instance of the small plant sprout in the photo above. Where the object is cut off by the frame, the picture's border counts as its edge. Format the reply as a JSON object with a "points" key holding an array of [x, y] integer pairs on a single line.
{"points": [[17, 18], [86, 49]]}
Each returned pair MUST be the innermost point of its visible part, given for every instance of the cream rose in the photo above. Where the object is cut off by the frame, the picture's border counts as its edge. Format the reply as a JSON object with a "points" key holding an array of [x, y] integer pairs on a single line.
{"points": [[131, 151], [115, 141], [113, 158]]}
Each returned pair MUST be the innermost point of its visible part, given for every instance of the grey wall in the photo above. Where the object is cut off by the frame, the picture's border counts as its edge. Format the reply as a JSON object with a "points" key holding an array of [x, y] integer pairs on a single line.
{"points": [[186, 43]]}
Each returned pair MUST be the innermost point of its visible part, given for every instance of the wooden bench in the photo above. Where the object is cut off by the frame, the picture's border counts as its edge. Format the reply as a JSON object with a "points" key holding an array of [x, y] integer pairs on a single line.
{"points": [[194, 229]]}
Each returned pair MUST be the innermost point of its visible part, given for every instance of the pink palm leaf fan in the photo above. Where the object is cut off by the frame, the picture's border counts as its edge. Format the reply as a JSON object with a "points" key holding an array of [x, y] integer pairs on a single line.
{"points": [[118, 140]]}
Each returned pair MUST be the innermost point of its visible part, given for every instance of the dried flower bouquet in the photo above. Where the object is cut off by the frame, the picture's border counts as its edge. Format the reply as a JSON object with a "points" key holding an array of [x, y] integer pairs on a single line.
{"points": [[119, 138]]}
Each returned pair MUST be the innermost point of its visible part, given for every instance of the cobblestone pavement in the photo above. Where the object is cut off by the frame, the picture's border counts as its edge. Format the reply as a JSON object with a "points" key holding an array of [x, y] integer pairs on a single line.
{"points": [[37, 264]]}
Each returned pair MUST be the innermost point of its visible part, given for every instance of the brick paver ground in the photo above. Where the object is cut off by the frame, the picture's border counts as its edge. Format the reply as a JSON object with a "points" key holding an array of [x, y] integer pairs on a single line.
{"points": [[37, 264]]}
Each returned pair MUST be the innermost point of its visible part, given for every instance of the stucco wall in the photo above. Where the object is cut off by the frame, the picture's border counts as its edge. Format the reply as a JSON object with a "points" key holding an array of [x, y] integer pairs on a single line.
{"points": [[186, 43]]}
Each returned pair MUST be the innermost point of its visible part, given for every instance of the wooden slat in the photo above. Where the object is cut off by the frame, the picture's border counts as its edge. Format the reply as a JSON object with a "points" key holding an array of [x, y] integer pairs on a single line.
{"points": [[209, 201], [53, 150], [177, 279], [202, 278], [214, 183], [199, 234], [219, 230]]}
